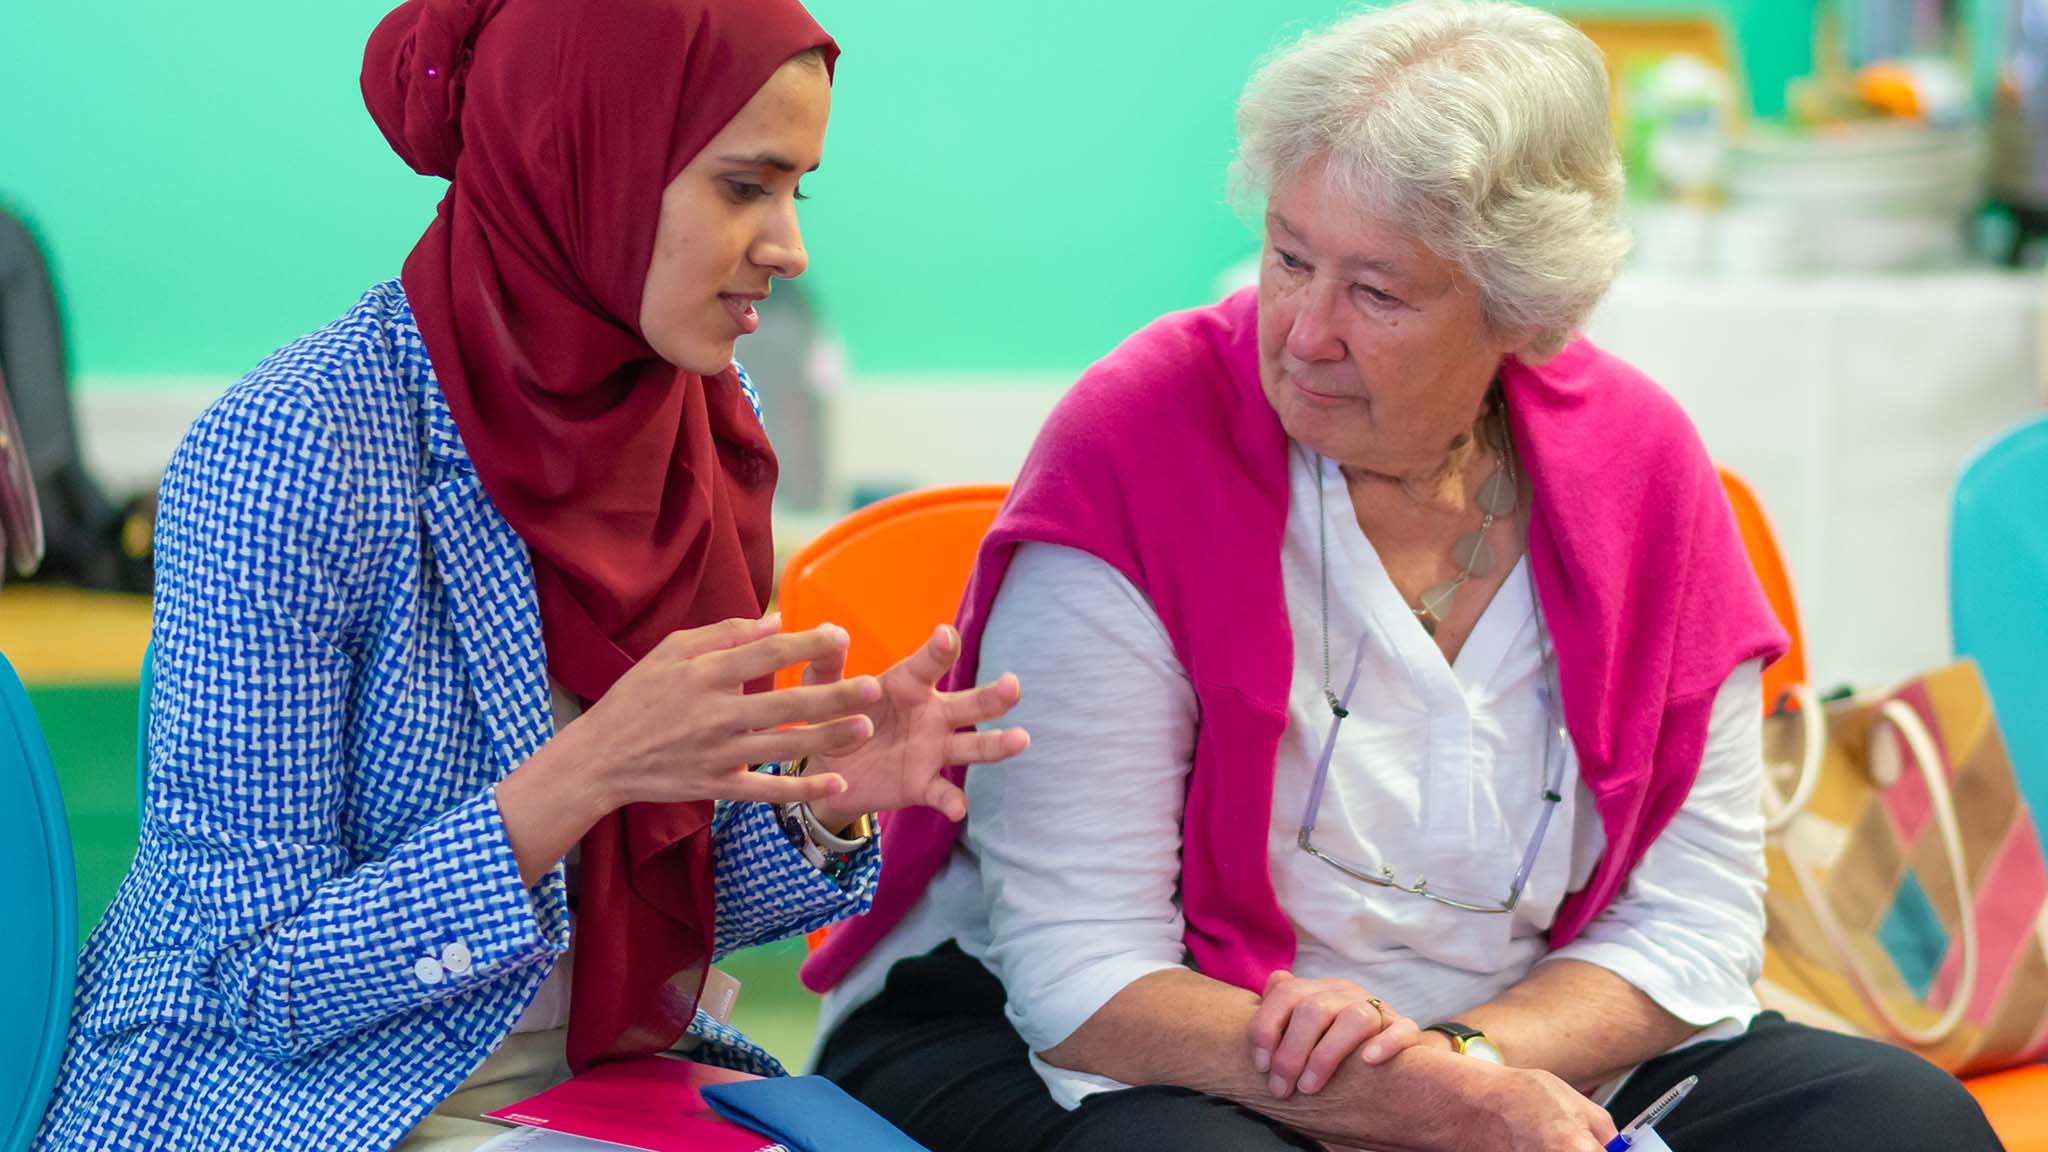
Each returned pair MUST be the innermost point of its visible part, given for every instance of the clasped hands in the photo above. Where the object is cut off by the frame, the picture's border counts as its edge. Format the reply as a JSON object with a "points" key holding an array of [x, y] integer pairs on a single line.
{"points": [[1304, 1030]]}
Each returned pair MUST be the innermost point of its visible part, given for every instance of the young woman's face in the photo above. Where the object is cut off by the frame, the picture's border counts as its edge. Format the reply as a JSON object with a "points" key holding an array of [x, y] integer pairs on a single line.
{"points": [[728, 221]]}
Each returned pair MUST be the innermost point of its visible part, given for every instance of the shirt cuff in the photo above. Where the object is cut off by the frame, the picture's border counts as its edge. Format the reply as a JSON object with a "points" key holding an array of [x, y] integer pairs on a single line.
{"points": [[1069, 1089], [1070, 999]]}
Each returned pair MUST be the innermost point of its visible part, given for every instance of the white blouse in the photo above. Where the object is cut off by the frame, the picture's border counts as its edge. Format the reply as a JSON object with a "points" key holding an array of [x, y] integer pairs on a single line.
{"points": [[1066, 881]]}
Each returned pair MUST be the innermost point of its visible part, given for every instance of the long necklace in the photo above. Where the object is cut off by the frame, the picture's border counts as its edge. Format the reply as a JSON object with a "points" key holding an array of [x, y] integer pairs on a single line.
{"points": [[1499, 496]]}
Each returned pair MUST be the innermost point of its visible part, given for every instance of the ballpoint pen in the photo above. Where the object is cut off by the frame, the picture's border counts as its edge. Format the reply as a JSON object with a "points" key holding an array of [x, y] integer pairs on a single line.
{"points": [[1625, 1139]]}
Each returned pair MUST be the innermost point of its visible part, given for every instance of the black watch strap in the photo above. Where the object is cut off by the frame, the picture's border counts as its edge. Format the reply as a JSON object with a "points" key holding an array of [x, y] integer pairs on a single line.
{"points": [[1460, 1034], [1469, 1041]]}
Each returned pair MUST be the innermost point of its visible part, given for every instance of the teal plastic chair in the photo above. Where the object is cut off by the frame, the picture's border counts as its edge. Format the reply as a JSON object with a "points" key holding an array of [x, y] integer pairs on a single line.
{"points": [[1998, 593], [39, 891]]}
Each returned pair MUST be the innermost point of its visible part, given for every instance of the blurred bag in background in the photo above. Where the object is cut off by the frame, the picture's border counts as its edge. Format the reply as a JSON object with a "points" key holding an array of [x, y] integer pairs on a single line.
{"points": [[1908, 900], [89, 540]]}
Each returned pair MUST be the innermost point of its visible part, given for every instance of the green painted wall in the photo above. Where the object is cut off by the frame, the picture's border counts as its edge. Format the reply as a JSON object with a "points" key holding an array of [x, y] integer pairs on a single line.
{"points": [[1008, 188]]}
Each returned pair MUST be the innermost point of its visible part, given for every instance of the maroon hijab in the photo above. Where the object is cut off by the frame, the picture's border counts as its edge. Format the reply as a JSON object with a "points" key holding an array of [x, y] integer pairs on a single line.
{"points": [[641, 492]]}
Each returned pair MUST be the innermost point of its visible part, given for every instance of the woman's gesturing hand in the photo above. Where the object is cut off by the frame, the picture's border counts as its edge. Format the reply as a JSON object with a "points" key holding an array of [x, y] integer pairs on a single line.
{"points": [[681, 726], [917, 732]]}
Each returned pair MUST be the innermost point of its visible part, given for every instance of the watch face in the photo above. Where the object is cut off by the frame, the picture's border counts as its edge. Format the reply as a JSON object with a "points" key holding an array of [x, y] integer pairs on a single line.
{"points": [[1483, 1048]]}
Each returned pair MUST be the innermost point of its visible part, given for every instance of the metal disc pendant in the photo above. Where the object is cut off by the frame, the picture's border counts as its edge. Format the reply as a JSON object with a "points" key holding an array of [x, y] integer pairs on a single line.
{"points": [[1473, 554], [1500, 495]]}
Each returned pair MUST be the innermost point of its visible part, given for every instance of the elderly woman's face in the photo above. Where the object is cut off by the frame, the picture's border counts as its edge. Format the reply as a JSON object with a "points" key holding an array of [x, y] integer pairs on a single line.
{"points": [[1373, 350], [728, 222]]}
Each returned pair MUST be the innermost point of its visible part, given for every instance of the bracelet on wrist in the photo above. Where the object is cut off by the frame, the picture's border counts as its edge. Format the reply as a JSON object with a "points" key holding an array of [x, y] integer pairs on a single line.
{"points": [[826, 851]]}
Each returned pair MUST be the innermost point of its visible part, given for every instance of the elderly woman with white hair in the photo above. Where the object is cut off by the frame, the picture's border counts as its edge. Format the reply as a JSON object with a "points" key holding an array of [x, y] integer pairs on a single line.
{"points": [[1395, 660]]}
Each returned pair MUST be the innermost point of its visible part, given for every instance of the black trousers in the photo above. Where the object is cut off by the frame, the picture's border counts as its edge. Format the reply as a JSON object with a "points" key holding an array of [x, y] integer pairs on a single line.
{"points": [[934, 1054]]}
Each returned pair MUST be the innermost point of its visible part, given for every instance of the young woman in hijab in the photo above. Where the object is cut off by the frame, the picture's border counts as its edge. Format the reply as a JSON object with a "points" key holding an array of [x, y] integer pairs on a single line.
{"points": [[470, 583]]}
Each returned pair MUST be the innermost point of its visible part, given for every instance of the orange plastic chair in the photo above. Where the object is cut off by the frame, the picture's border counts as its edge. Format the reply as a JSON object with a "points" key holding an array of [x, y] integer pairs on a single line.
{"points": [[888, 574], [2016, 1103], [1764, 555]]}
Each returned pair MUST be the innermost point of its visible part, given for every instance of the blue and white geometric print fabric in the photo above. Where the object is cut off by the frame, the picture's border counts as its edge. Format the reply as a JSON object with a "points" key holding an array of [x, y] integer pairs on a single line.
{"points": [[747, 389], [324, 931]]}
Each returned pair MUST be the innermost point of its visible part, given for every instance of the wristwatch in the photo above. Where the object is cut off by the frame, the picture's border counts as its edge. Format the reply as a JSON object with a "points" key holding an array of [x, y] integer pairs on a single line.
{"points": [[847, 839], [831, 853], [1469, 1041]]}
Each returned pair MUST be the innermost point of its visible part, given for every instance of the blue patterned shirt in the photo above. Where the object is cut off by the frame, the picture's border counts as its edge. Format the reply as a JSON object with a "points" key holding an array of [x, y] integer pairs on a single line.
{"points": [[324, 931]]}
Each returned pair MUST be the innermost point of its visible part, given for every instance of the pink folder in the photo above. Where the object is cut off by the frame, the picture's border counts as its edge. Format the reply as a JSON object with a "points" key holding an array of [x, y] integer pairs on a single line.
{"points": [[651, 1103]]}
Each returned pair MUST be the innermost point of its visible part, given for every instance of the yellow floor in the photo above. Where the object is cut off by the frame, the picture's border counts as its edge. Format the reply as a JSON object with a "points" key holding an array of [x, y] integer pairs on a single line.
{"points": [[65, 636]]}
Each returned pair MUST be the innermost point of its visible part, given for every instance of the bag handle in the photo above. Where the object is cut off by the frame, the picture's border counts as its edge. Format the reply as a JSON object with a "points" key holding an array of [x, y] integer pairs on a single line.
{"points": [[21, 516], [1780, 812], [1927, 755]]}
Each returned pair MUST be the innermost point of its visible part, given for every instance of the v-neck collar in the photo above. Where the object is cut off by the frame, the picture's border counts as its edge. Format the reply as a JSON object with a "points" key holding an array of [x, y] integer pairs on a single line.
{"points": [[1352, 553]]}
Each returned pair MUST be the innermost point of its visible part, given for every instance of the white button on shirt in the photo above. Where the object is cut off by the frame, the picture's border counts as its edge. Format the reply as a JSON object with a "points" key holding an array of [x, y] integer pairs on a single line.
{"points": [[428, 971], [456, 958], [1065, 883]]}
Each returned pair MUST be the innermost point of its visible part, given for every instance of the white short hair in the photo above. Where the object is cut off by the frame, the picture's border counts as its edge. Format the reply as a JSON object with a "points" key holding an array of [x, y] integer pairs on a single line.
{"points": [[1482, 126]]}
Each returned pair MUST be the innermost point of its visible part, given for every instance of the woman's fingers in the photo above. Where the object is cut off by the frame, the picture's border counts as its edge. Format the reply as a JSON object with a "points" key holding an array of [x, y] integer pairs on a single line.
{"points": [[982, 704], [986, 747], [1303, 1030], [1352, 1025], [1269, 1023], [694, 642], [771, 654], [811, 705], [934, 657], [945, 796], [784, 745], [771, 789], [826, 669], [1398, 1036], [1313, 1016]]}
